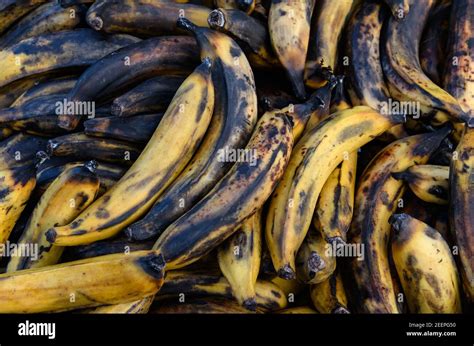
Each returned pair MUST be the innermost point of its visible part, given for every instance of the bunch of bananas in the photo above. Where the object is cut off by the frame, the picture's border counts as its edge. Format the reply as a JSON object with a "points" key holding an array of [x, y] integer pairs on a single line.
{"points": [[236, 156]]}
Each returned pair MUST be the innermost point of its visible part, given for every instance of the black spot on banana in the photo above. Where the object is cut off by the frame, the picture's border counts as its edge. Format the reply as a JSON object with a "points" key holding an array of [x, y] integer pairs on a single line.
{"points": [[234, 118], [133, 64], [377, 197], [103, 280], [152, 18], [239, 194], [178, 135], [327, 24], [314, 158], [151, 96], [425, 266], [289, 24], [61, 50]]}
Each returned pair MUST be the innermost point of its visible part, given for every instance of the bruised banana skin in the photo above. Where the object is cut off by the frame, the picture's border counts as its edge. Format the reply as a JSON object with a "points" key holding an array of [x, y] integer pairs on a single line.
{"points": [[234, 118], [136, 307], [461, 202], [12, 10], [49, 87], [267, 295], [239, 260], [400, 8], [401, 63], [16, 186], [366, 76], [289, 26], [314, 158], [103, 280], [178, 134], [429, 183], [151, 57], [329, 296], [47, 18], [81, 146], [248, 30], [314, 263], [66, 197], [154, 18], [327, 25], [148, 97], [376, 200], [425, 267], [238, 195], [20, 149], [137, 129], [50, 52]]}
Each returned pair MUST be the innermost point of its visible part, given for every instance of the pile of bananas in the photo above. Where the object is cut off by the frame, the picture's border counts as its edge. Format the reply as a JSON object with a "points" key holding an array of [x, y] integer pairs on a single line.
{"points": [[235, 156]]}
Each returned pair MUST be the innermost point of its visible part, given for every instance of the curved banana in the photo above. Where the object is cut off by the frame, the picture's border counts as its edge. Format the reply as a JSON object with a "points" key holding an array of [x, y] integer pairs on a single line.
{"points": [[178, 134], [48, 87], [65, 198], [329, 296], [377, 197], [429, 183], [61, 50], [136, 307], [314, 261], [238, 195], [47, 18], [425, 267], [152, 18], [327, 25], [401, 63], [111, 279], [130, 65], [289, 24], [314, 158], [239, 260], [235, 115]]}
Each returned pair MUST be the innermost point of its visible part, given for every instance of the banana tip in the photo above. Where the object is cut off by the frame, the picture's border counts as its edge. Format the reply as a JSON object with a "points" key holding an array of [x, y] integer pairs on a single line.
{"points": [[116, 109], [91, 165], [216, 19], [51, 235], [396, 220], [341, 310], [95, 23], [250, 304], [286, 273]]}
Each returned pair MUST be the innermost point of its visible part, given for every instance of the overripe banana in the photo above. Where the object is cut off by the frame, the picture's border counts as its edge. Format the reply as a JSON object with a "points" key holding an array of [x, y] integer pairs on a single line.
{"points": [[136, 307], [329, 296], [48, 87], [12, 10], [20, 149]]}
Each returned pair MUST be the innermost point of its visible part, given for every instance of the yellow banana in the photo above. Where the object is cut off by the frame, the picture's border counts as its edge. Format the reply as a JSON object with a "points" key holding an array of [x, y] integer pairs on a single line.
{"points": [[65, 198], [329, 296], [377, 197], [111, 279], [425, 267], [289, 24], [136, 307], [314, 158], [178, 134], [239, 260], [429, 183]]}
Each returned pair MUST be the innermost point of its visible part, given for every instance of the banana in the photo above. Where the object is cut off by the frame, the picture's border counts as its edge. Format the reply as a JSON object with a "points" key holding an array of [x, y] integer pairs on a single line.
{"points": [[136, 307], [151, 96], [365, 70], [251, 33], [461, 201], [425, 267], [401, 64], [377, 198], [16, 186], [136, 129], [111, 279], [289, 24], [178, 134], [314, 262], [19, 150], [179, 284], [12, 10], [315, 156], [65, 198], [239, 260], [199, 306], [429, 183], [328, 21], [235, 115], [290, 287], [81, 146], [329, 296], [48, 87], [238, 195], [47, 18], [149, 17], [61, 50], [132, 64], [12, 91], [399, 8], [244, 5]]}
